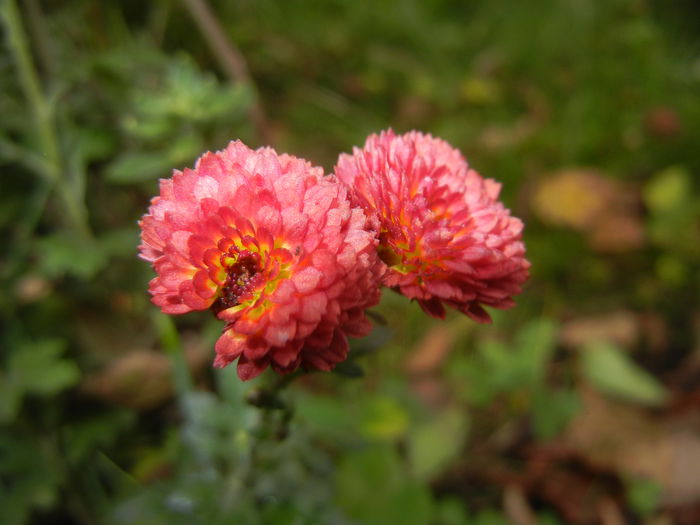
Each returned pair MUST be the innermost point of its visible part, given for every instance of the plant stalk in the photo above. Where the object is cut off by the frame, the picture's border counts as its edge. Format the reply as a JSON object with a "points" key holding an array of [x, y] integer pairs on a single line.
{"points": [[43, 116]]}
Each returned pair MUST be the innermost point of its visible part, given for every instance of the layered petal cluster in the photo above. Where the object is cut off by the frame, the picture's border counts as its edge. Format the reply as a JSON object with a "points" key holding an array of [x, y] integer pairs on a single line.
{"points": [[444, 236], [274, 248]]}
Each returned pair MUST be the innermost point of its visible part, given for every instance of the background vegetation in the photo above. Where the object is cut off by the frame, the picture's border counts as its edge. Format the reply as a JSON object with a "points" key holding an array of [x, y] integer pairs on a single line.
{"points": [[579, 406]]}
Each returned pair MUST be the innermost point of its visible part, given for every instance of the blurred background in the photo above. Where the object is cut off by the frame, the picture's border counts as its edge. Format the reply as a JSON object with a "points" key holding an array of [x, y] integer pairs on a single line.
{"points": [[579, 406]]}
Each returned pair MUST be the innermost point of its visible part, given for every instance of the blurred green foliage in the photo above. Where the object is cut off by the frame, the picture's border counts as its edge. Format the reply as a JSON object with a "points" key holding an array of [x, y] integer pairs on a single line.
{"points": [[427, 423], [612, 372]]}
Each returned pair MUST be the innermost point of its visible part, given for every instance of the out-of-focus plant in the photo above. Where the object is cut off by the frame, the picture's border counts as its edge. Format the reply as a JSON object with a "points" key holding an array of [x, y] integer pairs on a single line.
{"points": [[110, 414], [516, 373]]}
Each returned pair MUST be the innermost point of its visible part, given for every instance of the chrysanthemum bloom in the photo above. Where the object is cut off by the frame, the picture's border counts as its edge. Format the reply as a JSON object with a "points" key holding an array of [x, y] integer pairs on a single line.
{"points": [[444, 236], [274, 248]]}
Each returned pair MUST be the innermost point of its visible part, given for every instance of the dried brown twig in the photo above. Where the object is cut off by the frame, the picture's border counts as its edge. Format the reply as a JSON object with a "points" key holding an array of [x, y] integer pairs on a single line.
{"points": [[229, 57]]}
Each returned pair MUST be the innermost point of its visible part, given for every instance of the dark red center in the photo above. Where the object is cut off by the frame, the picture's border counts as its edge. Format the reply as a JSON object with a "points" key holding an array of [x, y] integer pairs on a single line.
{"points": [[385, 251], [241, 277]]}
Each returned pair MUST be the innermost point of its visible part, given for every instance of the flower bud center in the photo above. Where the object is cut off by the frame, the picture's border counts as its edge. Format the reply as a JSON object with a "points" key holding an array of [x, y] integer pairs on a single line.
{"points": [[242, 267]]}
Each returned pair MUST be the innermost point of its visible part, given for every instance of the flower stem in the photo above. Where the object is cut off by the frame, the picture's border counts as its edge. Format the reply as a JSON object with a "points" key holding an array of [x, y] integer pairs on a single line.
{"points": [[43, 116], [269, 428], [172, 344], [268, 398]]}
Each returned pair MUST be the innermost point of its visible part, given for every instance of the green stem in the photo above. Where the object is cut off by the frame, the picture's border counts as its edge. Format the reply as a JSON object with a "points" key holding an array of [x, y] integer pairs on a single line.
{"points": [[275, 414], [172, 344], [21, 246], [10, 151], [267, 398], [43, 118]]}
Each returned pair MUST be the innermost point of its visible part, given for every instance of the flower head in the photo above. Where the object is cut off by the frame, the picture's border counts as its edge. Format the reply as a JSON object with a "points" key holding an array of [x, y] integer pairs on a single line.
{"points": [[270, 245], [443, 234]]}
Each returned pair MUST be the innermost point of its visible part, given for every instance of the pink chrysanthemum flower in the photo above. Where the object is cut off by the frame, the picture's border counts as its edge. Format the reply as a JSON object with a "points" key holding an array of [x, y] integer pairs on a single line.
{"points": [[274, 248], [444, 236]]}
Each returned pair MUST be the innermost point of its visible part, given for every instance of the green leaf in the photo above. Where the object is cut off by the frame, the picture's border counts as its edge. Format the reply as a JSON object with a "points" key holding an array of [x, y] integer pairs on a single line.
{"points": [[366, 477], [63, 253], [674, 212], [39, 368], [327, 417], [349, 368], [490, 517], [499, 368], [188, 95], [97, 432], [672, 270], [612, 372], [35, 368], [668, 190], [140, 166], [552, 410], [411, 505], [383, 418], [535, 345], [451, 511], [372, 487], [94, 143], [35, 476], [119, 242], [437, 443], [643, 495], [10, 399], [212, 429]]}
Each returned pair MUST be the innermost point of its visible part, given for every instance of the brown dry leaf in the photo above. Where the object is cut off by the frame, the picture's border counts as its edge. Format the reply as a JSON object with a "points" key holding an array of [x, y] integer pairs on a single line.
{"points": [[572, 198], [430, 352], [104, 337], [688, 515], [584, 200], [617, 231], [663, 122], [610, 513], [605, 430], [695, 324], [413, 109], [573, 494], [121, 301], [683, 449], [663, 519], [431, 389], [426, 358], [630, 440], [141, 380], [32, 288], [197, 355], [498, 138], [512, 135], [516, 506], [621, 327], [424, 363], [654, 331]]}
